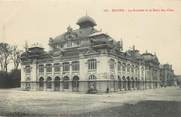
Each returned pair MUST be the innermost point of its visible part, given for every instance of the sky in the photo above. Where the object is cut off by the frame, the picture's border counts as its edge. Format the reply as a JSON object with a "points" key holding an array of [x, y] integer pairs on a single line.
{"points": [[150, 25]]}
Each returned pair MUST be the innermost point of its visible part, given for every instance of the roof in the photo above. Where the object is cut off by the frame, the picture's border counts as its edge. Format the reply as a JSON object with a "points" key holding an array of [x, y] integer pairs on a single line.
{"points": [[86, 19], [147, 56], [150, 57], [97, 34], [81, 34]]}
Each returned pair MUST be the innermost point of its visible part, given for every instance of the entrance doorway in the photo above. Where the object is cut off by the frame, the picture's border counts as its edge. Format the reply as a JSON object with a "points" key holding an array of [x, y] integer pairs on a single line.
{"points": [[57, 84], [75, 83]]}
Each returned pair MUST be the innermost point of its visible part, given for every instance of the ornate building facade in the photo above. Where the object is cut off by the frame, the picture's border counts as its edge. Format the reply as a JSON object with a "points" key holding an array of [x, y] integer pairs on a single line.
{"points": [[167, 75], [88, 60]]}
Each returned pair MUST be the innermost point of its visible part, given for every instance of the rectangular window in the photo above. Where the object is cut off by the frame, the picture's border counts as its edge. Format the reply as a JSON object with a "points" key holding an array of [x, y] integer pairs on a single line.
{"points": [[49, 68], [137, 69], [119, 66], [124, 67], [41, 68], [66, 66], [57, 67], [132, 69], [112, 64], [92, 64], [75, 66], [128, 68], [142, 70]]}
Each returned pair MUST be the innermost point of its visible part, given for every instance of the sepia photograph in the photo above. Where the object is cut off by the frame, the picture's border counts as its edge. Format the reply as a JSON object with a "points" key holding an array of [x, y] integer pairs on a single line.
{"points": [[90, 58]]}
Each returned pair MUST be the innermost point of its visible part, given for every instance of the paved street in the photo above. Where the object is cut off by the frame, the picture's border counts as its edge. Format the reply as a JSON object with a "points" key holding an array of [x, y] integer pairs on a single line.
{"points": [[163, 102]]}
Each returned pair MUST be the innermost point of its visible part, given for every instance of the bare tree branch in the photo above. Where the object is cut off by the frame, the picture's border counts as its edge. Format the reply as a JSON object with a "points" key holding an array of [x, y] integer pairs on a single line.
{"points": [[5, 53], [16, 53]]}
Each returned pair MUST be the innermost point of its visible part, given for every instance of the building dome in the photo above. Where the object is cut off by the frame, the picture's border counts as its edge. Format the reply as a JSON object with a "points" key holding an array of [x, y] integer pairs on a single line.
{"points": [[86, 21], [148, 56]]}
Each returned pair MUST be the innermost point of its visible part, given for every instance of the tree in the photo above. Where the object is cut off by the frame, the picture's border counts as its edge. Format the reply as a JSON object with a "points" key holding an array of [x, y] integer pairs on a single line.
{"points": [[16, 53], [5, 53]]}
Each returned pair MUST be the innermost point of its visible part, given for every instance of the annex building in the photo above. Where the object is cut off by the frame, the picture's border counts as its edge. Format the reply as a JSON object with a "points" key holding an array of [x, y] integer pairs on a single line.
{"points": [[87, 60]]}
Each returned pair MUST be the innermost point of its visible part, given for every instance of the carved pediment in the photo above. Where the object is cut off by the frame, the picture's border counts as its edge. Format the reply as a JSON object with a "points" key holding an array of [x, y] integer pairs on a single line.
{"points": [[70, 35], [57, 53], [90, 51]]}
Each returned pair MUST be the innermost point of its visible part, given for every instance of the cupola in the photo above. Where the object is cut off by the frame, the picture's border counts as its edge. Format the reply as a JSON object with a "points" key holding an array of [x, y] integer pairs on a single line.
{"points": [[86, 21]]}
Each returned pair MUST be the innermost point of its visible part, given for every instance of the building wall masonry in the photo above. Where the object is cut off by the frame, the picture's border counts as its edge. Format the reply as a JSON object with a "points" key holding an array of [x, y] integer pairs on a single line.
{"points": [[90, 61]]}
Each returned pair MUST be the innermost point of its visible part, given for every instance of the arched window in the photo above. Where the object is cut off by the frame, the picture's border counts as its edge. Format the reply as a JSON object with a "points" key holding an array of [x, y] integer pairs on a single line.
{"points": [[49, 83], [57, 83], [66, 82], [124, 66], [28, 79], [92, 77], [41, 83], [75, 83], [92, 64]]}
